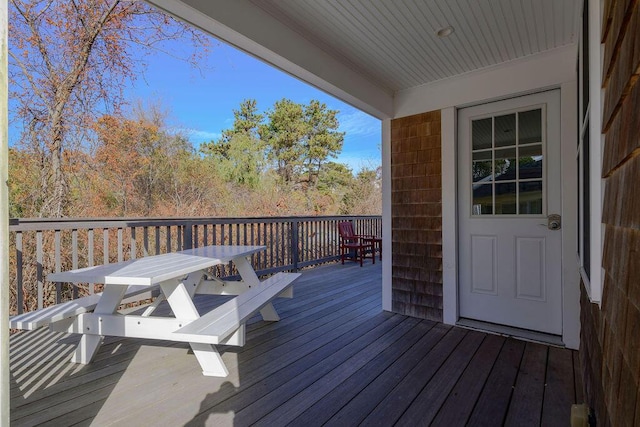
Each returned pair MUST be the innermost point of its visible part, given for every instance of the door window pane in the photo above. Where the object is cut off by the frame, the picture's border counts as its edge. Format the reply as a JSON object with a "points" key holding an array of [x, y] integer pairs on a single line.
{"points": [[506, 198], [481, 167], [505, 164], [481, 134], [508, 149], [530, 126], [482, 199], [530, 198], [505, 130], [530, 161]]}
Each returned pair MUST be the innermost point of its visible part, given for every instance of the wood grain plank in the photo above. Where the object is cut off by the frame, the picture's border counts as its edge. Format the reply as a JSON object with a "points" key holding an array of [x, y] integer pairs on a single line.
{"points": [[263, 397], [310, 318], [334, 358], [559, 389], [74, 418], [492, 405], [257, 376], [374, 392], [577, 376], [321, 411], [68, 396], [306, 294], [249, 372], [317, 382], [391, 408], [427, 404], [460, 402], [301, 324], [64, 414], [117, 354], [526, 402]]}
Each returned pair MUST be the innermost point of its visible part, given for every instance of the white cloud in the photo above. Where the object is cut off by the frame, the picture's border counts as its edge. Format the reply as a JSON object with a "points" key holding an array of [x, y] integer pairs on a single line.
{"points": [[355, 122], [205, 135], [196, 135]]}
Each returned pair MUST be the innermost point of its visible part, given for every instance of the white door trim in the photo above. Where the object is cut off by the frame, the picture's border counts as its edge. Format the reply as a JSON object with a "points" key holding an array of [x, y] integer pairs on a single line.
{"points": [[570, 277]]}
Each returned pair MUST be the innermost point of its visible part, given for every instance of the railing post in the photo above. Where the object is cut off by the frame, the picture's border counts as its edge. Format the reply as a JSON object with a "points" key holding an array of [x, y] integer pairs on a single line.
{"points": [[19, 272], [74, 258], [58, 266], [39, 269], [188, 236], [295, 255], [133, 247]]}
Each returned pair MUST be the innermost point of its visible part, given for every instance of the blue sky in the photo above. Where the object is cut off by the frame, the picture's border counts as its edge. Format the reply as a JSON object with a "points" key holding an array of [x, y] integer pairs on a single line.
{"points": [[201, 104]]}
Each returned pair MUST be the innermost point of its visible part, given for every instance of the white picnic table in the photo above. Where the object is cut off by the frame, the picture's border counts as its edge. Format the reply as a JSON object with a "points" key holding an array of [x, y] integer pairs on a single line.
{"points": [[180, 276]]}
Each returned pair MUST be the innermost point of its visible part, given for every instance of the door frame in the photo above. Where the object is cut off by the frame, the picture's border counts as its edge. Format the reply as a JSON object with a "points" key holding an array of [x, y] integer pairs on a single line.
{"points": [[570, 278]]}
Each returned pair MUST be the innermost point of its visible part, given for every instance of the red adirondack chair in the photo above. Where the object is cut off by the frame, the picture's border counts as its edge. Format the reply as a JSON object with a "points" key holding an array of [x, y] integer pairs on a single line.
{"points": [[354, 246]]}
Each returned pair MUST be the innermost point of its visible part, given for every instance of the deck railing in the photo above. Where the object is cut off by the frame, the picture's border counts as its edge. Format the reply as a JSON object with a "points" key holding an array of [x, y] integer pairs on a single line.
{"points": [[41, 246]]}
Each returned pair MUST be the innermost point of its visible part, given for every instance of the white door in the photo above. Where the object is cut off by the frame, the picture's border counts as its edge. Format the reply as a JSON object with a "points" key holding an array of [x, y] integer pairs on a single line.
{"points": [[508, 193]]}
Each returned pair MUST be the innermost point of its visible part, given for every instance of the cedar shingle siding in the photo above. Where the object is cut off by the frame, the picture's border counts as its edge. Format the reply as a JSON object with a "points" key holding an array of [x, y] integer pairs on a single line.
{"points": [[416, 206], [610, 336]]}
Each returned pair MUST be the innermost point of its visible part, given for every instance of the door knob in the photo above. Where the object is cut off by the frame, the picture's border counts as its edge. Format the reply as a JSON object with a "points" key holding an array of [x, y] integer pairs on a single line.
{"points": [[554, 222]]}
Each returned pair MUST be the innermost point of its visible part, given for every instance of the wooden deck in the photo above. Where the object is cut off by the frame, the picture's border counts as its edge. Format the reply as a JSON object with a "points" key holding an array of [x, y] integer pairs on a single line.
{"points": [[335, 358]]}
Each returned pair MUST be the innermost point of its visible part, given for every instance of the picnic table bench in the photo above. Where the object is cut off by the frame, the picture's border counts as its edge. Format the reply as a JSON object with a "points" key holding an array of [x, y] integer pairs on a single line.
{"points": [[65, 310], [179, 276]]}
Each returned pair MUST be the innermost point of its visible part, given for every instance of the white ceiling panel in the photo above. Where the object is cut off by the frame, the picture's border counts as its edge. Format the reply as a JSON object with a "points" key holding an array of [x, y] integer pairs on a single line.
{"points": [[394, 42]]}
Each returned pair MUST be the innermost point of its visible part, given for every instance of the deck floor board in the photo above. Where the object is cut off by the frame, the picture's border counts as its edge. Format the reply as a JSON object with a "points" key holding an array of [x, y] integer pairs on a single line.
{"points": [[335, 358], [344, 392], [527, 400], [460, 402]]}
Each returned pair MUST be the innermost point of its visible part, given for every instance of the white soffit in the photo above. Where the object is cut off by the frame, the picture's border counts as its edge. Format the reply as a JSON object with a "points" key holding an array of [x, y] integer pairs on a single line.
{"points": [[394, 42], [371, 49]]}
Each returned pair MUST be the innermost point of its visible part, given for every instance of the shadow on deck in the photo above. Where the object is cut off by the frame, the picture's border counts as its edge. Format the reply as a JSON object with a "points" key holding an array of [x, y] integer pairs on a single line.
{"points": [[335, 357]]}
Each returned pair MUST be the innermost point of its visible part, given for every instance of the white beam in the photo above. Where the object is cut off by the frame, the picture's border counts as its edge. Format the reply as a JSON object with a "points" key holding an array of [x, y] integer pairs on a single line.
{"points": [[596, 150], [4, 216], [449, 217], [386, 216], [526, 75], [249, 28]]}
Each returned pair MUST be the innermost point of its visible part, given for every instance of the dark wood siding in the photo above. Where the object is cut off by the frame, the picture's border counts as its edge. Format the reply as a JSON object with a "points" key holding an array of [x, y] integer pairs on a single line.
{"points": [[416, 206], [610, 335]]}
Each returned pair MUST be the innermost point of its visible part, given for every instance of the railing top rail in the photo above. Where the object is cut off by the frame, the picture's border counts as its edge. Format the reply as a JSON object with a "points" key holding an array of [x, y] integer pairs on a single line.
{"points": [[44, 224]]}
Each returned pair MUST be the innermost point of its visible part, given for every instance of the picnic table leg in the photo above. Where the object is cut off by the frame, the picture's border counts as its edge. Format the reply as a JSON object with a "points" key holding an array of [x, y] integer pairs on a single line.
{"points": [[87, 348], [210, 360], [107, 304], [269, 313], [250, 278], [179, 299], [191, 283]]}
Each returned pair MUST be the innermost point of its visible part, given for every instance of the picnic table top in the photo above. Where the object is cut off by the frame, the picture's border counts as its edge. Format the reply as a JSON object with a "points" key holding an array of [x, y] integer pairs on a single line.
{"points": [[150, 270]]}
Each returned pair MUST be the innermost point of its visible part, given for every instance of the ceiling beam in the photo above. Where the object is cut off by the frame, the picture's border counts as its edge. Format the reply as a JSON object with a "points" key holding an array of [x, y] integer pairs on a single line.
{"points": [[254, 31]]}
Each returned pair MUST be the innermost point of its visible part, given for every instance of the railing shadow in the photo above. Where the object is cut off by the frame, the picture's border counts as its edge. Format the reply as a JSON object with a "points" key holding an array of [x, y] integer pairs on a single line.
{"points": [[146, 382], [45, 385]]}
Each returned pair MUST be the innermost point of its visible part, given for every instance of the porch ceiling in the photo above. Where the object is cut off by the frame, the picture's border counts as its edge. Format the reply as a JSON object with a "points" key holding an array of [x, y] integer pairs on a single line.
{"points": [[364, 51], [394, 43]]}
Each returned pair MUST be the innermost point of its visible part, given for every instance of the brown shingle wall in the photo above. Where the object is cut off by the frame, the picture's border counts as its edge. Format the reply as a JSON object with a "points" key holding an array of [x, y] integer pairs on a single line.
{"points": [[610, 335], [623, 44], [416, 213]]}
